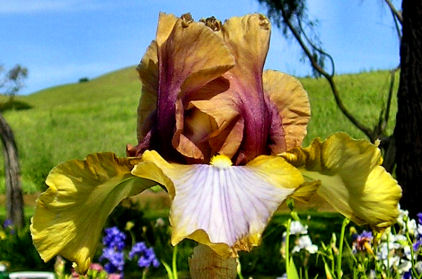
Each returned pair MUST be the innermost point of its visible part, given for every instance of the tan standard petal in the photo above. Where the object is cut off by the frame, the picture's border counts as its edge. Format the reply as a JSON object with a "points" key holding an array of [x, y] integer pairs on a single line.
{"points": [[148, 73], [191, 57], [292, 102], [248, 39], [227, 136]]}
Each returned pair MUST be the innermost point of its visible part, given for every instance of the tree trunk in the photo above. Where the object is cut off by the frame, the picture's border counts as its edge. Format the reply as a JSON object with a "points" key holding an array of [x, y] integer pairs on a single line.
{"points": [[14, 199], [408, 130]]}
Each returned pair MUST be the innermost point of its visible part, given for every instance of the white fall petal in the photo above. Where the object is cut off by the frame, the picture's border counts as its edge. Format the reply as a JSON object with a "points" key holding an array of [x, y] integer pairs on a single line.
{"points": [[227, 203], [225, 207]]}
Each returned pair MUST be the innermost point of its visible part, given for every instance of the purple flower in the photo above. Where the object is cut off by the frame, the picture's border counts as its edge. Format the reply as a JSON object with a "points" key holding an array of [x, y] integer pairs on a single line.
{"points": [[114, 239], [417, 244], [407, 275], [115, 260], [362, 241], [366, 234], [420, 217], [114, 242], [7, 223], [137, 249], [146, 255]]}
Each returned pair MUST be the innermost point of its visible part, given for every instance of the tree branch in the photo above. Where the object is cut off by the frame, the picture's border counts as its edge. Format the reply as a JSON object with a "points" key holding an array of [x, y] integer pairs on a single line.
{"points": [[329, 77], [393, 9]]}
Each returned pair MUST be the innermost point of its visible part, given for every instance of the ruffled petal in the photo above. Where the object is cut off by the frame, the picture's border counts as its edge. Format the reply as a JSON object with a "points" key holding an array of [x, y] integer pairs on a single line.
{"points": [[148, 73], [228, 135], [70, 215], [292, 103], [222, 206], [192, 56], [352, 180], [248, 39]]}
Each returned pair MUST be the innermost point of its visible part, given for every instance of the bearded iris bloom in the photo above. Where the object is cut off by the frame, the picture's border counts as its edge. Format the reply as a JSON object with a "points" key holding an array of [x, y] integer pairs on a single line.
{"points": [[223, 137]]}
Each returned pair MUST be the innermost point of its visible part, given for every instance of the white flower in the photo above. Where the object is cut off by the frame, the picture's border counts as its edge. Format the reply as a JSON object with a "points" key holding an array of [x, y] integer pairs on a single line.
{"points": [[404, 266], [159, 222], [402, 215], [411, 226], [304, 242], [297, 228], [418, 266], [394, 261], [383, 253], [407, 252]]}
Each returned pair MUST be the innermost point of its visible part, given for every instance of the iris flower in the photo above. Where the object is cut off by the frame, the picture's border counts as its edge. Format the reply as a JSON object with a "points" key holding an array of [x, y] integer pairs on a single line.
{"points": [[224, 139]]}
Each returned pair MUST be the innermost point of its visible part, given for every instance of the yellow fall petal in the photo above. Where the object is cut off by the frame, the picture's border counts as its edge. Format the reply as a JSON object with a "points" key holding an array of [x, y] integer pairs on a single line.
{"points": [[223, 206], [352, 180], [70, 215]]}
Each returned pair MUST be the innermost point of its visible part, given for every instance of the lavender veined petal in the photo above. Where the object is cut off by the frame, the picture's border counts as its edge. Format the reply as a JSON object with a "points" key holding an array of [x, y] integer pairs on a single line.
{"points": [[222, 206]]}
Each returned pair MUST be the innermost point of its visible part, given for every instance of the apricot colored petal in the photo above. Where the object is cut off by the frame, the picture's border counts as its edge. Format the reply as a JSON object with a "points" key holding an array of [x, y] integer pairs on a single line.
{"points": [[148, 73], [166, 23], [192, 56], [70, 215], [352, 180], [181, 141], [224, 208], [248, 39], [227, 138], [292, 103]]}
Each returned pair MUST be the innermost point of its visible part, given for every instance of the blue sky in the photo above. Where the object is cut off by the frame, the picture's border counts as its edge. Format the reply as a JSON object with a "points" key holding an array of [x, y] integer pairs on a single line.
{"points": [[60, 41]]}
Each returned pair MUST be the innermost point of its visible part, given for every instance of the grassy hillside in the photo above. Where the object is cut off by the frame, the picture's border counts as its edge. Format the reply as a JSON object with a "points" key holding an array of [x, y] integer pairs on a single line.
{"points": [[70, 121]]}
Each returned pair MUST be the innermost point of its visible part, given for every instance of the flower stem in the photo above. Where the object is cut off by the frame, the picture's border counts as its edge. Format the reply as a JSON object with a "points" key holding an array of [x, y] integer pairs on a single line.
{"points": [[289, 221], [340, 249], [174, 262], [144, 273]]}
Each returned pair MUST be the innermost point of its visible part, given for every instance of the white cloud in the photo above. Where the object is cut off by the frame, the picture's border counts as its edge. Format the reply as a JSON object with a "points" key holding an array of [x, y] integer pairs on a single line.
{"points": [[41, 6]]}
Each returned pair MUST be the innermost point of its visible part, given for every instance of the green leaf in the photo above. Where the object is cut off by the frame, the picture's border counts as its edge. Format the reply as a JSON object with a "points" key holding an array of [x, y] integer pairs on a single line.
{"points": [[292, 271]]}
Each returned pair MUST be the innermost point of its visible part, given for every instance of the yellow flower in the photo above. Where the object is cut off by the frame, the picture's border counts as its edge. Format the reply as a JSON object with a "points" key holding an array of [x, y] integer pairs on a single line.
{"points": [[223, 137]]}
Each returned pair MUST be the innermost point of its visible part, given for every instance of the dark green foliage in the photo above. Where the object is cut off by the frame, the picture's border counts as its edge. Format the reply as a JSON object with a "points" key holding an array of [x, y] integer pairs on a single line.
{"points": [[17, 250], [292, 8], [12, 81], [13, 104], [83, 79]]}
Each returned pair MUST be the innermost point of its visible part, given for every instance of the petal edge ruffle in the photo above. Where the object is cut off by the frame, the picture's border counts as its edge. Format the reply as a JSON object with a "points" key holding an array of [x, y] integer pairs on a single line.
{"points": [[352, 180], [70, 215], [226, 208]]}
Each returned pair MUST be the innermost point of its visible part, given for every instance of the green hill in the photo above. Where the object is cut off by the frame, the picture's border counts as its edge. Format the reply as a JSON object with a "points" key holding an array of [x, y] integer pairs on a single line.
{"points": [[70, 121]]}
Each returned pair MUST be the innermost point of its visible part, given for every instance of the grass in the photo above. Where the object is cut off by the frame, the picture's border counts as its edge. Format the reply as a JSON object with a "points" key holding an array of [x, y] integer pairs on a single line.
{"points": [[73, 120]]}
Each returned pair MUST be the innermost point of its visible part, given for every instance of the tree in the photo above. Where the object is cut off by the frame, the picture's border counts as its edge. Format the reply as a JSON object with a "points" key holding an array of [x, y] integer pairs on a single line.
{"points": [[291, 16], [408, 130], [13, 80], [403, 149], [11, 83]]}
